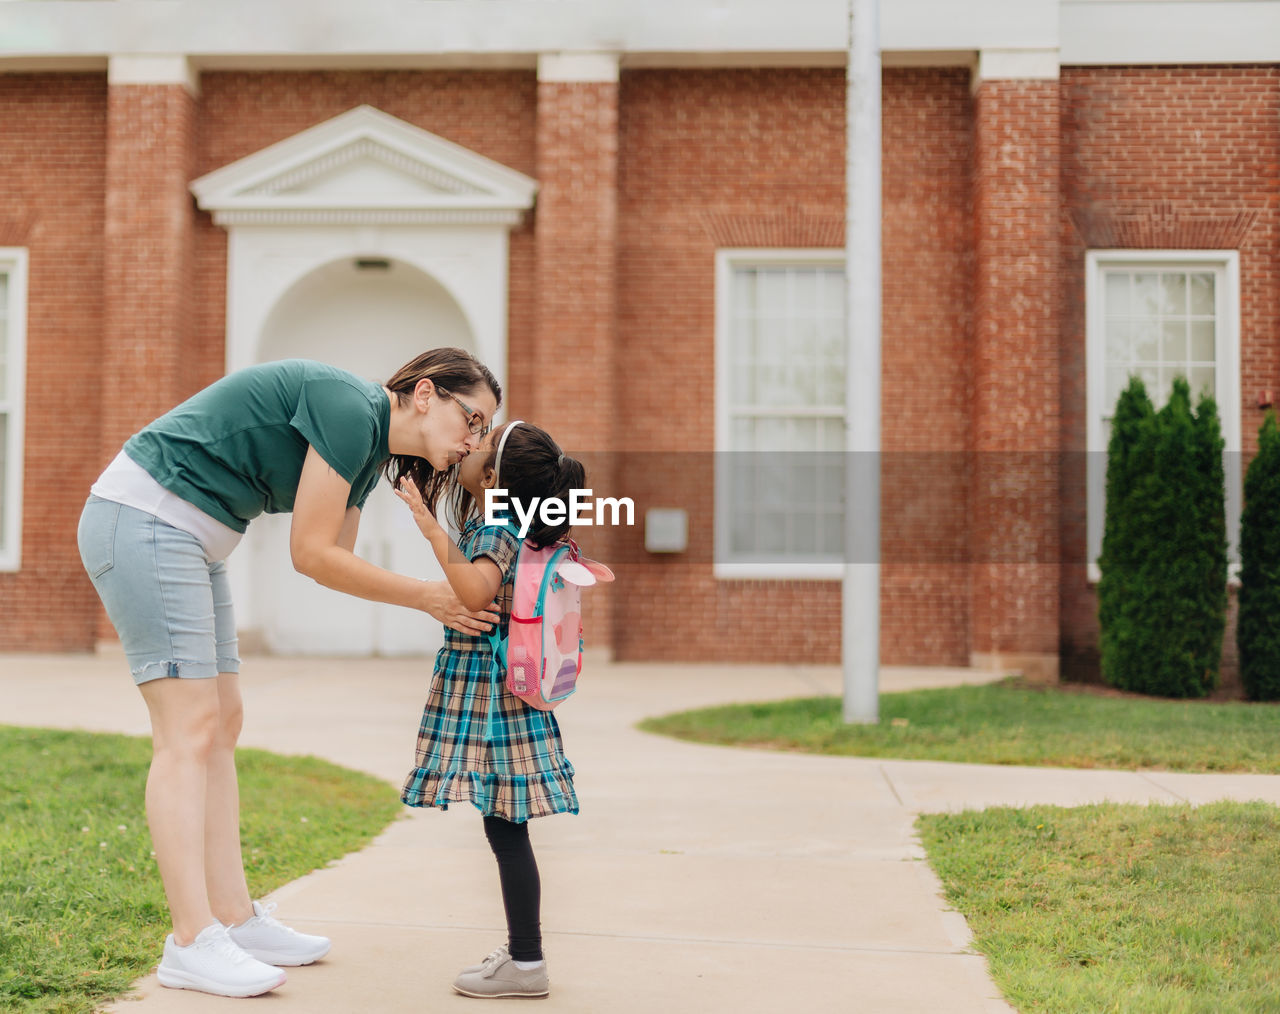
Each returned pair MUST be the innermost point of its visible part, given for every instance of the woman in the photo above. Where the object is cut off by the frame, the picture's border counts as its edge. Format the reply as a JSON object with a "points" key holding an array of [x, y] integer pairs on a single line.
{"points": [[293, 436]]}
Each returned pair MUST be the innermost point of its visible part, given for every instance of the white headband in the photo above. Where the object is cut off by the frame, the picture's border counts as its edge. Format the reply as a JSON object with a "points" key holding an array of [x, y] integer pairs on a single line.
{"points": [[497, 460]]}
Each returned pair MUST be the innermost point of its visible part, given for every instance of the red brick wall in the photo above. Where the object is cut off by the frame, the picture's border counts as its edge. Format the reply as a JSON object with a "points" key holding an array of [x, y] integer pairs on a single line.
{"points": [[148, 255], [53, 152], [927, 129], [696, 147], [714, 159], [1169, 157], [1014, 524]]}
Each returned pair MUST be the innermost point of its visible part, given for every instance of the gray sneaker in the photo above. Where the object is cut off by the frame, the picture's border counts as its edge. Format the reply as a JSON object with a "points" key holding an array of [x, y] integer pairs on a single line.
{"points": [[498, 954], [498, 976]]}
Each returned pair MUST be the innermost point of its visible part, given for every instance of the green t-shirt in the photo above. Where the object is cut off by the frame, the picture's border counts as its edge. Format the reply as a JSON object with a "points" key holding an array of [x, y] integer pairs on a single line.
{"points": [[236, 449]]}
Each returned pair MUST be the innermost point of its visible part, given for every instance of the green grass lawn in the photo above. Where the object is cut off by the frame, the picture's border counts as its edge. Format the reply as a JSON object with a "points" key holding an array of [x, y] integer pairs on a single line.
{"points": [[1006, 723], [82, 912], [1132, 909]]}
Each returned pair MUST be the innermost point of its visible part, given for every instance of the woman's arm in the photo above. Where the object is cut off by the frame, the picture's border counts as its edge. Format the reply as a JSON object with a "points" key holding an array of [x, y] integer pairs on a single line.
{"points": [[475, 582], [321, 539]]}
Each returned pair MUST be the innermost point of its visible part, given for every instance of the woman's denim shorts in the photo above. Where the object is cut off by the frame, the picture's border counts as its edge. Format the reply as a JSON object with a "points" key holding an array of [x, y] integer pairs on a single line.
{"points": [[169, 604]]}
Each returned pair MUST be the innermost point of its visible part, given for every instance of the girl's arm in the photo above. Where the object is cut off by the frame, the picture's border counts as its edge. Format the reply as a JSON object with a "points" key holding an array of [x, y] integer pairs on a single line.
{"points": [[321, 540], [474, 582]]}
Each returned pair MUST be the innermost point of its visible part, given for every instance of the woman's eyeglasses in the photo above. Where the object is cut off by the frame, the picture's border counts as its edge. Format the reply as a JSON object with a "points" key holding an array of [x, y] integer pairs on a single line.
{"points": [[475, 421]]}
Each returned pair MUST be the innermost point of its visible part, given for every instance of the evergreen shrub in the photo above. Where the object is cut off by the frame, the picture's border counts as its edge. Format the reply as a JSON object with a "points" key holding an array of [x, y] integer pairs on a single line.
{"points": [[1258, 627], [1163, 595]]}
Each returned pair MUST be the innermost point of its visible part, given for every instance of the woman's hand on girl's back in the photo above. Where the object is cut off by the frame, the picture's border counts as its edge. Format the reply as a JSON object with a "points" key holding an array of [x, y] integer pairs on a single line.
{"points": [[440, 602]]}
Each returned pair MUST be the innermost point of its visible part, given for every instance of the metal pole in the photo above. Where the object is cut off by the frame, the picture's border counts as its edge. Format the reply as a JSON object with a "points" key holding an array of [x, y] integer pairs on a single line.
{"points": [[861, 594]]}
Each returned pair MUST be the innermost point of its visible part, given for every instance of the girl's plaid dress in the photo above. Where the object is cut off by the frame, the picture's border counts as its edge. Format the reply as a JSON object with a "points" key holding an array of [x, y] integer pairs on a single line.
{"points": [[477, 742]]}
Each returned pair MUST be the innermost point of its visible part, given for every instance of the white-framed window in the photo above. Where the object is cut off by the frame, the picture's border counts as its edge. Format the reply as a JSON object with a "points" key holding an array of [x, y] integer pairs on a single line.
{"points": [[780, 415], [13, 375], [1158, 314]]}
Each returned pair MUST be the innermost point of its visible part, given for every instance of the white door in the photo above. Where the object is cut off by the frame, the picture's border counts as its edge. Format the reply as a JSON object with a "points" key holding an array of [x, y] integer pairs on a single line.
{"points": [[369, 318]]}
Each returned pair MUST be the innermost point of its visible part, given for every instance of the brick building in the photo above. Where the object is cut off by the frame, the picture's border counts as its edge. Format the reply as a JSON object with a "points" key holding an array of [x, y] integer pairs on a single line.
{"points": [[635, 215]]}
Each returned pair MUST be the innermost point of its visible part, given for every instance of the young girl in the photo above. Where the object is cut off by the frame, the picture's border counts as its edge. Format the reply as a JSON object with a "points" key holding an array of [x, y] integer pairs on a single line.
{"points": [[478, 742]]}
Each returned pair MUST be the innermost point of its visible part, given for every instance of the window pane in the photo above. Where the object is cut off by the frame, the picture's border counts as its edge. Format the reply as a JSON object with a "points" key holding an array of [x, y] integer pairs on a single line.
{"points": [[804, 339], [773, 435], [742, 532], [1146, 295], [1173, 293], [804, 539], [832, 527], [831, 391], [772, 533], [1150, 377], [830, 484], [1202, 341], [831, 350], [804, 291], [744, 292], [742, 479], [831, 289], [743, 381], [774, 383], [743, 345], [831, 435], [1202, 302], [1201, 379], [1117, 293], [774, 490], [771, 290], [1118, 341], [1117, 381], [1174, 343], [1146, 342]]}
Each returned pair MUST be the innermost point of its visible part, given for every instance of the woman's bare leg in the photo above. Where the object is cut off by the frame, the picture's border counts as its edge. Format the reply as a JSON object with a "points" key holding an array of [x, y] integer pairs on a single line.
{"points": [[224, 863], [184, 723]]}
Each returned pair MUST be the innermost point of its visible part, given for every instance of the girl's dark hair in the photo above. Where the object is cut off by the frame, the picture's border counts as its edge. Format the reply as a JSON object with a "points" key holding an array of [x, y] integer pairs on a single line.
{"points": [[456, 370], [532, 467]]}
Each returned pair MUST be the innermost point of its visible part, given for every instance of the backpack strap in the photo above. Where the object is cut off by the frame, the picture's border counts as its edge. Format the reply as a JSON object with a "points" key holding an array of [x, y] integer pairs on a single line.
{"points": [[496, 642], [548, 576]]}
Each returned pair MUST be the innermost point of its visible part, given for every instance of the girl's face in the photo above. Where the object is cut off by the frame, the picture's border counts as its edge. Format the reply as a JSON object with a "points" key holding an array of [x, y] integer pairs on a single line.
{"points": [[448, 418], [475, 474]]}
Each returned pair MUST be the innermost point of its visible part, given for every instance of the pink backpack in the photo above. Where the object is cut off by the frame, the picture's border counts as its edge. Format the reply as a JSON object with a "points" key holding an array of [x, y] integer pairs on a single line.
{"points": [[542, 652]]}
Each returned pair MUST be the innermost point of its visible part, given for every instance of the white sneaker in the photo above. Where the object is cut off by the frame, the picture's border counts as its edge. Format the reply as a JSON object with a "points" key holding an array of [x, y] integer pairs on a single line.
{"points": [[214, 963], [269, 940]]}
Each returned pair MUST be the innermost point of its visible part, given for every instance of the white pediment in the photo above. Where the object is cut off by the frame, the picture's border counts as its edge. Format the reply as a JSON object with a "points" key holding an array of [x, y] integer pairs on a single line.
{"points": [[364, 167]]}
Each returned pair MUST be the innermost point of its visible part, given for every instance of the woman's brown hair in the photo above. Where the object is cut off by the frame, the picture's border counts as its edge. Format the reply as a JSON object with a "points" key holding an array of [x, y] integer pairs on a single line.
{"points": [[454, 370]]}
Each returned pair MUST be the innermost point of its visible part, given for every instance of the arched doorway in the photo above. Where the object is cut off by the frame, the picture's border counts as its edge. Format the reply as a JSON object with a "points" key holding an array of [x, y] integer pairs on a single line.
{"points": [[368, 315]]}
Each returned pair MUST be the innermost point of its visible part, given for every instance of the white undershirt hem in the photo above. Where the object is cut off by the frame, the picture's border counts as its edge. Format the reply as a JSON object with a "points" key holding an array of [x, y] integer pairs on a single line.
{"points": [[126, 482]]}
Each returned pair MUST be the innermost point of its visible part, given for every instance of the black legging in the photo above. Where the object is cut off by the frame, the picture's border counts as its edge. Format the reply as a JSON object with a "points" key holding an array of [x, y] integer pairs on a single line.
{"points": [[521, 888]]}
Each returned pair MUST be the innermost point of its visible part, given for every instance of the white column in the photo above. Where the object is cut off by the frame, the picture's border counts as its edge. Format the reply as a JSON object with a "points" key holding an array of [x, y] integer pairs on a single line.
{"points": [[578, 67], [153, 69], [860, 602]]}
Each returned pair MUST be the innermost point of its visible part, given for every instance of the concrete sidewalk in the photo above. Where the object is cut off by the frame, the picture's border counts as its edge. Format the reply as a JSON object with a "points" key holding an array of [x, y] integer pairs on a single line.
{"points": [[696, 878]]}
